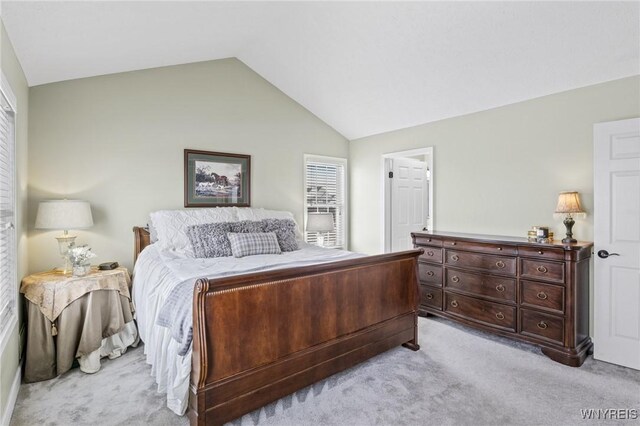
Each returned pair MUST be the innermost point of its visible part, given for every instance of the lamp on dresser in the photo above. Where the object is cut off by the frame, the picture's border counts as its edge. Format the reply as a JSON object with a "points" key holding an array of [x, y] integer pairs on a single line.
{"points": [[569, 203], [64, 215], [320, 223]]}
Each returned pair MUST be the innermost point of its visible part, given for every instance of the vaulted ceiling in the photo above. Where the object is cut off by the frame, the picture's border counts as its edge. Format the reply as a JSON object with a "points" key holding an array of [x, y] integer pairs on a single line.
{"points": [[362, 67]]}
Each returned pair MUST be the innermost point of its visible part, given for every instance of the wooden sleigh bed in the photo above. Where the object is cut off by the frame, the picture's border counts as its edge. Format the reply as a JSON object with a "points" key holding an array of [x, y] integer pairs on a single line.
{"points": [[258, 337]]}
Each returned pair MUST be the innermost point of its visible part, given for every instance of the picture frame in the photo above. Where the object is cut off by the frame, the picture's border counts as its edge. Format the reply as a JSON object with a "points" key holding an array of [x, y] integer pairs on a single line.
{"points": [[216, 179]]}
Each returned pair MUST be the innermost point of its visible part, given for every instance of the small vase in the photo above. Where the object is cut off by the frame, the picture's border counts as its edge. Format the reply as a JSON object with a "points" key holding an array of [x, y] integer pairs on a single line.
{"points": [[81, 270]]}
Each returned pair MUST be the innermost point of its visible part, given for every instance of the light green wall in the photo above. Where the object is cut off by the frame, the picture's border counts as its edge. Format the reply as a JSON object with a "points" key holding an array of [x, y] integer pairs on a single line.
{"points": [[11, 68], [117, 141], [497, 171]]}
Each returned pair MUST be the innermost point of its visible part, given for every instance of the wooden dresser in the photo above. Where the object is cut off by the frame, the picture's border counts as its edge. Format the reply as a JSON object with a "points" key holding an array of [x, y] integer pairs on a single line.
{"points": [[538, 293]]}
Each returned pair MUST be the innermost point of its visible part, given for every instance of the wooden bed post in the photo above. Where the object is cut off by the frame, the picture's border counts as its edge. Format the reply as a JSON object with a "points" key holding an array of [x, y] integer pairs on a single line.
{"points": [[141, 239], [413, 344], [199, 352]]}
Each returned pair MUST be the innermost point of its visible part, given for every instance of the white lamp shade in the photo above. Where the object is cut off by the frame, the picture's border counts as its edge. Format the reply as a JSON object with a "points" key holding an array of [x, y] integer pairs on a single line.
{"points": [[64, 215], [320, 222]]}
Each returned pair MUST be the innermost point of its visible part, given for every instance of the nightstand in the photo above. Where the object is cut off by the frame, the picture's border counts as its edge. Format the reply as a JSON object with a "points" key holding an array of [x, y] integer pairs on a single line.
{"points": [[84, 318]]}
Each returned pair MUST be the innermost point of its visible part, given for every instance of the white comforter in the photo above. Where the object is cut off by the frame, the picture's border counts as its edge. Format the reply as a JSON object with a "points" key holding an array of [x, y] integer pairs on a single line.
{"points": [[157, 272]]}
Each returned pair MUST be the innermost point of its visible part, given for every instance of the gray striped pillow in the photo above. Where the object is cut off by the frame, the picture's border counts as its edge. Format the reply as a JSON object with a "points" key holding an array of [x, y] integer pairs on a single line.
{"points": [[250, 244]]}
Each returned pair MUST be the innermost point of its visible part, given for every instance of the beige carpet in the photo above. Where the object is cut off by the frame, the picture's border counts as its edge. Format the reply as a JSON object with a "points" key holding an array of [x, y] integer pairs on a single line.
{"points": [[460, 377]]}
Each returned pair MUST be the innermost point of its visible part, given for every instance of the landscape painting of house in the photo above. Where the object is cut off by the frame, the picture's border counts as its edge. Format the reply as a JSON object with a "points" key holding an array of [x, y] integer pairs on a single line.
{"points": [[218, 179]]}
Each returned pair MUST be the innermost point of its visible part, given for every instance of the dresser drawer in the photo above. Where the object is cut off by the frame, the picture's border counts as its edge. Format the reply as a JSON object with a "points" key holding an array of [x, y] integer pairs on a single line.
{"points": [[482, 285], [543, 326], [431, 297], [489, 248], [544, 296], [422, 240], [552, 253], [542, 270], [481, 262], [488, 313], [431, 254], [430, 273]]}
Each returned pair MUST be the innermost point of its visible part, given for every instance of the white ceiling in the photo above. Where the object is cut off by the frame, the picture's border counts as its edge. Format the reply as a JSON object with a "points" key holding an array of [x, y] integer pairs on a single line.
{"points": [[364, 68]]}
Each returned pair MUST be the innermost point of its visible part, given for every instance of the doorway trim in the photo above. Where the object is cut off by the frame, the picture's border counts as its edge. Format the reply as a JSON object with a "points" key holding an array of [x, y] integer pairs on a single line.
{"points": [[386, 191]]}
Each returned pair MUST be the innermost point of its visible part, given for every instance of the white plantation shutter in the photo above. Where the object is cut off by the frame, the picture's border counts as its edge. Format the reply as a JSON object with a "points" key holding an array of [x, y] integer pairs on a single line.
{"points": [[8, 279], [326, 192]]}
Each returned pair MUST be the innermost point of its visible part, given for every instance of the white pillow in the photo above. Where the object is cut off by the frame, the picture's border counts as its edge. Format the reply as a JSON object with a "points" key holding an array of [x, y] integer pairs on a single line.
{"points": [[153, 234], [171, 225], [251, 213]]}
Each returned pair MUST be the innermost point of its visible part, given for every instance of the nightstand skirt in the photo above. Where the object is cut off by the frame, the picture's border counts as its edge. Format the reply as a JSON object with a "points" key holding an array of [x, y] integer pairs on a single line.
{"points": [[81, 326]]}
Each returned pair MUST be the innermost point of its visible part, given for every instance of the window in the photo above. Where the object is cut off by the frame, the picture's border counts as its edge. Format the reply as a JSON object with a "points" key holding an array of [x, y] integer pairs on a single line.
{"points": [[8, 279], [325, 185]]}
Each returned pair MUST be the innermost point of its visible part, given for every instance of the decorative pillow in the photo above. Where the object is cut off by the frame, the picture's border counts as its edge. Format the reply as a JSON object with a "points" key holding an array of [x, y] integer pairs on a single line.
{"points": [[253, 243], [245, 226], [210, 239], [285, 230], [252, 213], [171, 225]]}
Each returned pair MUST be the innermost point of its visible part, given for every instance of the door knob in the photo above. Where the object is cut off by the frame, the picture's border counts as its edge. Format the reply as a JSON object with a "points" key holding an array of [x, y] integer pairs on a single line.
{"points": [[603, 254]]}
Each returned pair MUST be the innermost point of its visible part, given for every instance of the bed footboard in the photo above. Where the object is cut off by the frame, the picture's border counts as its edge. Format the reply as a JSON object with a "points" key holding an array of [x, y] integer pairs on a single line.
{"points": [[261, 336]]}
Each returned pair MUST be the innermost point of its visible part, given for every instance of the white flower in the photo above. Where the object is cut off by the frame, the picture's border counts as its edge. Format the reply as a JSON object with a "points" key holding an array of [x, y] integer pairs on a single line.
{"points": [[78, 255]]}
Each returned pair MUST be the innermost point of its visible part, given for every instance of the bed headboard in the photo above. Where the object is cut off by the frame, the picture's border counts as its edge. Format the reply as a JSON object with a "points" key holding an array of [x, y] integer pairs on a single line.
{"points": [[141, 239]]}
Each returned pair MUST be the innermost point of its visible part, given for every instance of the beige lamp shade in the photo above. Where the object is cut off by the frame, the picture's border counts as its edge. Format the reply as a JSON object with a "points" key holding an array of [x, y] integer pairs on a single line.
{"points": [[569, 202], [64, 215], [320, 222]]}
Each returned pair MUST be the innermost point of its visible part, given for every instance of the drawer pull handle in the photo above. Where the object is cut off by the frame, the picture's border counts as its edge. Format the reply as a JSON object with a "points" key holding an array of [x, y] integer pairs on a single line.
{"points": [[499, 248], [542, 295], [500, 315], [500, 264], [453, 243], [542, 325], [430, 273], [540, 252], [455, 279], [429, 253], [454, 303], [455, 258], [542, 269], [429, 239], [429, 296], [500, 287]]}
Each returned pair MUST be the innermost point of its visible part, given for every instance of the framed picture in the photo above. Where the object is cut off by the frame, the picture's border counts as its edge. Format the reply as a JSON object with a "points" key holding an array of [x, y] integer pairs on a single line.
{"points": [[216, 179]]}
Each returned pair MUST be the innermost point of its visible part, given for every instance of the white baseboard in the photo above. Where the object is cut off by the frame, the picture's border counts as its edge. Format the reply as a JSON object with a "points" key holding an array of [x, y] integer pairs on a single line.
{"points": [[11, 401]]}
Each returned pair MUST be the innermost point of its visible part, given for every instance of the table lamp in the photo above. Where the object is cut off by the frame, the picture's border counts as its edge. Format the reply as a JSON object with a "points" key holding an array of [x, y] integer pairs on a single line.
{"points": [[569, 203], [64, 215], [320, 223]]}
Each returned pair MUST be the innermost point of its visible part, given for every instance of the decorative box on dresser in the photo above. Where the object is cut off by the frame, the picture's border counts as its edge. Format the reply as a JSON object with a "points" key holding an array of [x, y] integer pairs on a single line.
{"points": [[535, 292]]}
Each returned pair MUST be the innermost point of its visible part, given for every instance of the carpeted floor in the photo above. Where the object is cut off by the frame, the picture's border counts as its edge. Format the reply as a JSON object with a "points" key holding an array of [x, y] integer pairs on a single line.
{"points": [[459, 377]]}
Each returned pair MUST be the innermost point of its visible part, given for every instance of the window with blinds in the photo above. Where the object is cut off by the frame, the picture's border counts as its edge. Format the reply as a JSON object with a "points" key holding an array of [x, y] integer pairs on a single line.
{"points": [[8, 280], [326, 192]]}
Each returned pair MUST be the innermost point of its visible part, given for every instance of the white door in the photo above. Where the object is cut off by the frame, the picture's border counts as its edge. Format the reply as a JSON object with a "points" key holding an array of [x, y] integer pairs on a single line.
{"points": [[617, 232], [408, 201]]}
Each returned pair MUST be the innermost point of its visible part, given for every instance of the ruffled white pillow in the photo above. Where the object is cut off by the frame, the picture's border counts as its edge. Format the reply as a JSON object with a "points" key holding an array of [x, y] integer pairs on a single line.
{"points": [[171, 225]]}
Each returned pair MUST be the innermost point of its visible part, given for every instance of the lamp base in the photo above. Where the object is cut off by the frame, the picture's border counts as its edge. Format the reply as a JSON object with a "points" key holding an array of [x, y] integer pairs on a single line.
{"points": [[64, 242], [568, 223]]}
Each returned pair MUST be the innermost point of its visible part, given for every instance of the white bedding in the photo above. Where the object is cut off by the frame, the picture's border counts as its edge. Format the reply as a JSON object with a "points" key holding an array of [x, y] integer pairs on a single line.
{"points": [[157, 272]]}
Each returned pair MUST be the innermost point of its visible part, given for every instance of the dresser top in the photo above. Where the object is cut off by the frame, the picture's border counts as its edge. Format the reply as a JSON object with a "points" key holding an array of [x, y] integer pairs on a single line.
{"points": [[461, 236]]}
